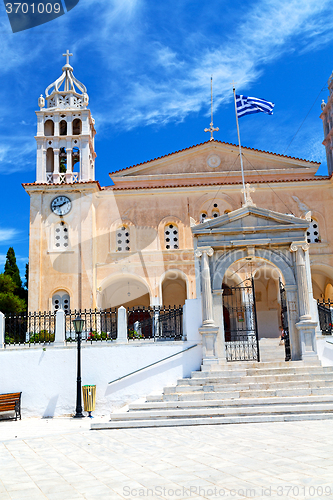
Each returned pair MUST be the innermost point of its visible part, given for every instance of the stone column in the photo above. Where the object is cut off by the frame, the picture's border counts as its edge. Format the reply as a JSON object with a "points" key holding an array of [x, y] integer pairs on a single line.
{"points": [[56, 173], [207, 301], [306, 326], [60, 328], [219, 321], [208, 329], [122, 326]]}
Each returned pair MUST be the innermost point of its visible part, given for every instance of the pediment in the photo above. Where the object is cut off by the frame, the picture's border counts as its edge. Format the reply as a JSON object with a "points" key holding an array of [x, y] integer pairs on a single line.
{"points": [[209, 159], [251, 223]]}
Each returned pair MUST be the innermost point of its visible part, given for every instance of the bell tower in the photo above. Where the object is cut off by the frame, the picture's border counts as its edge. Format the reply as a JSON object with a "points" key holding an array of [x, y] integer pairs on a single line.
{"points": [[327, 117], [65, 132]]}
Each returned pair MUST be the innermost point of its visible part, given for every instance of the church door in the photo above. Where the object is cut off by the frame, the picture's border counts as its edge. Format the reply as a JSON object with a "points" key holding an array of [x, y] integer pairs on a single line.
{"points": [[240, 323]]}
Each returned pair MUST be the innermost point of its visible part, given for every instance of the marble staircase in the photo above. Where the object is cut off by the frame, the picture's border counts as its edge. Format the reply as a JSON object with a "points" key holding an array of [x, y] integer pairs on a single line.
{"points": [[238, 392]]}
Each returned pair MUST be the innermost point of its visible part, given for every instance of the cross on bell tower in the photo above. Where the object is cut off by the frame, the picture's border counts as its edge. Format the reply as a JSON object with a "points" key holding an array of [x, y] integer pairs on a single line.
{"points": [[67, 55], [65, 131]]}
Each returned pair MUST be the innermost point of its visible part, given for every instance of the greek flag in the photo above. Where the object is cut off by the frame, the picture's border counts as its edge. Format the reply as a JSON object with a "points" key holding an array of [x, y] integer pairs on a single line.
{"points": [[249, 105]]}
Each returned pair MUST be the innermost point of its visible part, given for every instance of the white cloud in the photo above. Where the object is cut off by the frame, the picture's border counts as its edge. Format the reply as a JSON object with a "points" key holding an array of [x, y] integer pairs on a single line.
{"points": [[267, 31], [8, 234]]}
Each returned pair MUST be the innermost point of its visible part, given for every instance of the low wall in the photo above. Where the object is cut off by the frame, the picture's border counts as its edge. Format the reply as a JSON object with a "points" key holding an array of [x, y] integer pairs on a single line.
{"points": [[47, 376], [325, 350]]}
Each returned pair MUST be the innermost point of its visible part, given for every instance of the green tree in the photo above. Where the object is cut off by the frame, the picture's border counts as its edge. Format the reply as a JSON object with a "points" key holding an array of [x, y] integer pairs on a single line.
{"points": [[9, 301], [11, 268]]}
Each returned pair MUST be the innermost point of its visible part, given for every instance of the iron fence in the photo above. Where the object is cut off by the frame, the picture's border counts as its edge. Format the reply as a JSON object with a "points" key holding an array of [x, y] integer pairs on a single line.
{"points": [[325, 316], [98, 326], [157, 322], [30, 328]]}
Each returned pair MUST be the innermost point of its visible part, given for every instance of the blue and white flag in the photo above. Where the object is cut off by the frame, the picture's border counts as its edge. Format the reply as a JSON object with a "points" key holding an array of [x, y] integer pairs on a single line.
{"points": [[249, 105]]}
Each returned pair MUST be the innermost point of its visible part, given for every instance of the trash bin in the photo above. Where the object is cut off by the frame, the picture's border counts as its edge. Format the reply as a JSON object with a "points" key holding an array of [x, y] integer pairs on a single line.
{"points": [[89, 398]]}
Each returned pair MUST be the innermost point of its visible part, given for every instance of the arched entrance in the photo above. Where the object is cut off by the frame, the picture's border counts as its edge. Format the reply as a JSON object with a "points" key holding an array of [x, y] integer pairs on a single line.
{"points": [[252, 234], [127, 291]]}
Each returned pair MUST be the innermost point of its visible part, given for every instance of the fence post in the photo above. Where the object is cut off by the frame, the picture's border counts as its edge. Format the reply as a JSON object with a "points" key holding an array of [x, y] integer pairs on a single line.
{"points": [[59, 338], [122, 326], [2, 330]]}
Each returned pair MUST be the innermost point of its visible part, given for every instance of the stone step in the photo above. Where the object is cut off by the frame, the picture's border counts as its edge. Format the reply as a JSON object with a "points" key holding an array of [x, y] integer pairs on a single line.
{"points": [[234, 365], [126, 424], [247, 393], [271, 409], [155, 405]]}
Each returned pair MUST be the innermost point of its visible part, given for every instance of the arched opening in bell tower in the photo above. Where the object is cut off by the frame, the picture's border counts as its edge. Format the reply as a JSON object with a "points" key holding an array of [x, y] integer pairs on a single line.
{"points": [[63, 127], [49, 128], [77, 126], [49, 160]]}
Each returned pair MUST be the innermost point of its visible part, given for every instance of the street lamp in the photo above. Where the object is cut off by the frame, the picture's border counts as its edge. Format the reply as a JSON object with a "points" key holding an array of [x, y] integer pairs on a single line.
{"points": [[78, 327]]}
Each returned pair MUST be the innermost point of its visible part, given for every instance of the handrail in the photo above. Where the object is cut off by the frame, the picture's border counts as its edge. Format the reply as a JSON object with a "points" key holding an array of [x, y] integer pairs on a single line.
{"points": [[152, 364]]}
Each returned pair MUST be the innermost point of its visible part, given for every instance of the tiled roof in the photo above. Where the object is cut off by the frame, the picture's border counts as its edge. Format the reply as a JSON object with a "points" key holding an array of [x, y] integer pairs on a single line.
{"points": [[65, 184], [210, 142], [317, 178]]}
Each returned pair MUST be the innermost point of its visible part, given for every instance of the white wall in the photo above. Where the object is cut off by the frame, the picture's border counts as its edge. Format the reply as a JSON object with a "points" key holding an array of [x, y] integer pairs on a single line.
{"points": [[47, 378], [325, 350]]}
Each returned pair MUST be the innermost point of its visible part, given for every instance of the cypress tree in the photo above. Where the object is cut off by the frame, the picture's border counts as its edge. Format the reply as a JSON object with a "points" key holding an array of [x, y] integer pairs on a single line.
{"points": [[11, 268]]}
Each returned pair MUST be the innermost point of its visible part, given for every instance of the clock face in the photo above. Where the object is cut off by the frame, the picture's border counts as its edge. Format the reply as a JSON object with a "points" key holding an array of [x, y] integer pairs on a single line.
{"points": [[61, 205]]}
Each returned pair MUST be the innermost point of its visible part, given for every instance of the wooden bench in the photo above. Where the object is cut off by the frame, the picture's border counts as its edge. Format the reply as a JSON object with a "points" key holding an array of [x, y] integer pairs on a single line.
{"points": [[11, 402]]}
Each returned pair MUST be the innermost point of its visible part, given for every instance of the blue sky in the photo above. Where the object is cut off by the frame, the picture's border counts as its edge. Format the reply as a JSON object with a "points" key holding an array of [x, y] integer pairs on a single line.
{"points": [[147, 68]]}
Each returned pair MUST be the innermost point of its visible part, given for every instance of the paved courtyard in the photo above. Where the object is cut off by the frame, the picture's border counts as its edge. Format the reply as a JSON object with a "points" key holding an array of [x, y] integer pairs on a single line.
{"points": [[61, 459]]}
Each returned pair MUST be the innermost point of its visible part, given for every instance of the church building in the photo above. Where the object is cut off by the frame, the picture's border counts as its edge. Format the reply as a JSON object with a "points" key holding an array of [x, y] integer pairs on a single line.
{"points": [[180, 227]]}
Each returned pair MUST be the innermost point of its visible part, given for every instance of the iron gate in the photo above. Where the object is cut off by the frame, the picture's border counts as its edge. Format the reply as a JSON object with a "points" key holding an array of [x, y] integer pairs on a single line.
{"points": [[325, 317], [240, 323], [284, 321]]}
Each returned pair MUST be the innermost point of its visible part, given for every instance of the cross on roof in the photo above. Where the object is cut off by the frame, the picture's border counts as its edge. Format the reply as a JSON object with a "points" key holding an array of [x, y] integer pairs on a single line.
{"points": [[67, 55]]}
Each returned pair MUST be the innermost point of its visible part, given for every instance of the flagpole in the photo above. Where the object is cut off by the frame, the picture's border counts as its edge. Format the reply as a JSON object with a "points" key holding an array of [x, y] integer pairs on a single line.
{"points": [[239, 145]]}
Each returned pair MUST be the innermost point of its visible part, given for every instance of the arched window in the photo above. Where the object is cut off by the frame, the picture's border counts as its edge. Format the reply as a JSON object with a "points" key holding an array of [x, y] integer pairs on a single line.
{"points": [[49, 160], [313, 232], [171, 237], [63, 161], [76, 159], [123, 239], [77, 126], [61, 300], [61, 236], [63, 127], [49, 128]]}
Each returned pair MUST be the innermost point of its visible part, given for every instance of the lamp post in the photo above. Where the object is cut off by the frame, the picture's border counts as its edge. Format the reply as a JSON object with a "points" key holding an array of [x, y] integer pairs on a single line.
{"points": [[78, 327]]}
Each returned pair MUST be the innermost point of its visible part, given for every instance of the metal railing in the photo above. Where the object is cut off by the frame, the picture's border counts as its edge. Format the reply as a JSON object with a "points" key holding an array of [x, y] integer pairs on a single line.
{"points": [[30, 328], [157, 322], [98, 326], [325, 316]]}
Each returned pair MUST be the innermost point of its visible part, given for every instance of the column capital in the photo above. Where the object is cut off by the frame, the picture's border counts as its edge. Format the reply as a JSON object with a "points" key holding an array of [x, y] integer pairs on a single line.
{"points": [[208, 250], [56, 150], [297, 245]]}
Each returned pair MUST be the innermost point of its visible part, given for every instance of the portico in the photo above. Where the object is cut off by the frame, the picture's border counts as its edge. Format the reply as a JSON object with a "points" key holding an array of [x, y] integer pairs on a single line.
{"points": [[253, 235]]}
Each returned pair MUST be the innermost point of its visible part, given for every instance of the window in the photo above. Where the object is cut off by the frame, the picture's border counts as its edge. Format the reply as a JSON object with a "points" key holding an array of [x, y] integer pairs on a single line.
{"points": [[61, 300], [61, 241], [313, 232], [123, 239], [171, 237], [203, 217], [215, 212]]}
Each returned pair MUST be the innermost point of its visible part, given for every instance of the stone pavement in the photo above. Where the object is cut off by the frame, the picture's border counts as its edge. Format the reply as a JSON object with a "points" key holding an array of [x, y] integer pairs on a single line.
{"points": [[61, 459]]}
